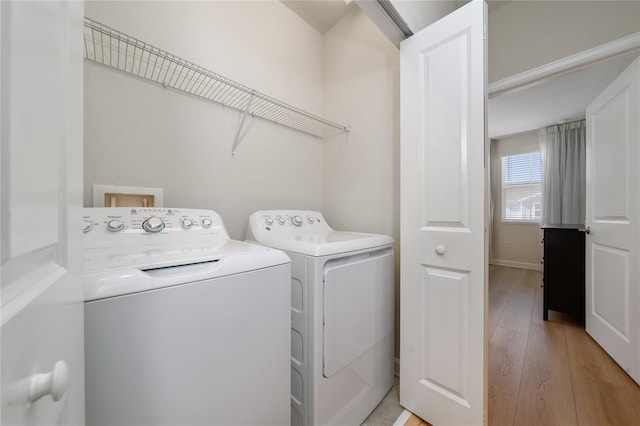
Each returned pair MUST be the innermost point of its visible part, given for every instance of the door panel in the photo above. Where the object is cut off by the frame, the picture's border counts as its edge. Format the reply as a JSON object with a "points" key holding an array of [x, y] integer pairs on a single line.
{"points": [[613, 206], [446, 295], [32, 211], [443, 265], [611, 301], [444, 70], [41, 200]]}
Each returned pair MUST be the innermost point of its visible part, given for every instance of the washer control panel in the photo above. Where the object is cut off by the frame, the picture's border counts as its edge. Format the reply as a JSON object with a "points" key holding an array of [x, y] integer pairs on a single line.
{"points": [[106, 226]]}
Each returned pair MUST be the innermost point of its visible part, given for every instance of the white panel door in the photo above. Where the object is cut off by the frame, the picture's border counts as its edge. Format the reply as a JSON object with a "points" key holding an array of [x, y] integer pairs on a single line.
{"points": [[613, 216], [443, 264], [41, 359]]}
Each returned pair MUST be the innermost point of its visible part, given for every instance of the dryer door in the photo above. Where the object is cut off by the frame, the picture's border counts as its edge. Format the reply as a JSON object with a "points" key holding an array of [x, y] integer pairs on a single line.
{"points": [[358, 306]]}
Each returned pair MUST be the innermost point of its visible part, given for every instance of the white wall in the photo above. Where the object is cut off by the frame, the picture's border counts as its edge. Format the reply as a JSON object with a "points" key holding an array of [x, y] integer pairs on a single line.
{"points": [[527, 34], [361, 169], [523, 240], [361, 88], [140, 134]]}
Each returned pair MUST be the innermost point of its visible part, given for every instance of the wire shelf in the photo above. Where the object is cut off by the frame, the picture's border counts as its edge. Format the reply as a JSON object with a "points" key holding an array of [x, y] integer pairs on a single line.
{"points": [[110, 47]]}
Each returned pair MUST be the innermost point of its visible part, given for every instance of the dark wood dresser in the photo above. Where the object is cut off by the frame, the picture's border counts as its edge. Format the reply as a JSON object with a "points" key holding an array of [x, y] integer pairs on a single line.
{"points": [[563, 270]]}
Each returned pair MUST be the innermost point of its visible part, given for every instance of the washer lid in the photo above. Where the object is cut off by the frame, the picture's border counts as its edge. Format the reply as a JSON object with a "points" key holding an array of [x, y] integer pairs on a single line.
{"points": [[306, 232], [333, 242], [108, 274], [164, 256]]}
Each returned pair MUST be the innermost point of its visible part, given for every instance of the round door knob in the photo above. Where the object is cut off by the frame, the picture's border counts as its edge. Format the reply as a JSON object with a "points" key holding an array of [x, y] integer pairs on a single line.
{"points": [[187, 223], [296, 221], [115, 225], [440, 249], [153, 224], [53, 383], [206, 223]]}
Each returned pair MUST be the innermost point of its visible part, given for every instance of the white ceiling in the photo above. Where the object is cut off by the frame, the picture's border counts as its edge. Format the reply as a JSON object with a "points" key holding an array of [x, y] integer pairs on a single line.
{"points": [[552, 101], [320, 14]]}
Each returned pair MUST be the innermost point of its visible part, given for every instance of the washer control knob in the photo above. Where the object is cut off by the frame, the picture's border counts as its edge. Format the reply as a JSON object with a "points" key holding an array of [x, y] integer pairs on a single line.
{"points": [[280, 220], [268, 221], [115, 225], [153, 224], [187, 223], [296, 221], [206, 222], [86, 226], [310, 219]]}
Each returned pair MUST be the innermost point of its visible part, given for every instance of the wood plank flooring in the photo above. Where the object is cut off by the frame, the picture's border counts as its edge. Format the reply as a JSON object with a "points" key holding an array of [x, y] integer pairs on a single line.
{"points": [[547, 372]]}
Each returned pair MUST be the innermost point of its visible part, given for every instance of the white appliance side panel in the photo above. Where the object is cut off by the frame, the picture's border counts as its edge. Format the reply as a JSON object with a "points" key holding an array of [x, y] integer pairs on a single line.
{"points": [[356, 312], [210, 352], [299, 340]]}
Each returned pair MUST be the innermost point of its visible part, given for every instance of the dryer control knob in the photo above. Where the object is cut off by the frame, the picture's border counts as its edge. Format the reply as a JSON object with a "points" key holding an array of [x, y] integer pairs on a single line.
{"points": [[296, 221], [115, 225], [86, 227], [280, 220], [206, 222], [310, 219], [268, 221], [187, 223], [153, 224]]}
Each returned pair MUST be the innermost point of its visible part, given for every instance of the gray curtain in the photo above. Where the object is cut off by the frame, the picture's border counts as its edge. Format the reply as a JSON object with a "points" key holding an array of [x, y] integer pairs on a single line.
{"points": [[563, 149], [495, 171]]}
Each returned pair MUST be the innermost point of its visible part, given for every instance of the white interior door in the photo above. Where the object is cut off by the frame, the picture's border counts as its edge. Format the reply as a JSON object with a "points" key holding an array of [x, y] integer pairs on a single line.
{"points": [[41, 358], [443, 263], [613, 216]]}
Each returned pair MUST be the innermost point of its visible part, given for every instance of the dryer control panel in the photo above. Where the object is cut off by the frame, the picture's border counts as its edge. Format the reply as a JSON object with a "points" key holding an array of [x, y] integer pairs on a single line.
{"points": [[306, 232], [288, 222]]}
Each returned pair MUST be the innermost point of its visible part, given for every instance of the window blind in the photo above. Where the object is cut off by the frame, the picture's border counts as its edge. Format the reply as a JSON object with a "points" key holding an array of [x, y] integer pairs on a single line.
{"points": [[521, 187]]}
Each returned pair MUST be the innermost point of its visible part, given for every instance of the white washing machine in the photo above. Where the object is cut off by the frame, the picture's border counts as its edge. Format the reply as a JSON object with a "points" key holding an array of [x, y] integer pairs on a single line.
{"points": [[342, 323], [183, 326]]}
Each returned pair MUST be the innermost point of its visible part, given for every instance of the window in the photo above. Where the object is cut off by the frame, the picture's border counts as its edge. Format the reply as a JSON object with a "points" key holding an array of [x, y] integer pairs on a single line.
{"points": [[521, 187]]}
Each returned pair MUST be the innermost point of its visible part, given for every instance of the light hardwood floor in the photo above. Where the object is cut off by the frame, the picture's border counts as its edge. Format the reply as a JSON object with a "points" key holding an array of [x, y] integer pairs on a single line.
{"points": [[547, 372]]}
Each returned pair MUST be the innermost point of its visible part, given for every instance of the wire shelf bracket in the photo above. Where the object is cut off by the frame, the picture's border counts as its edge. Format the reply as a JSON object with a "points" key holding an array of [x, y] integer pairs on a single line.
{"points": [[114, 49], [236, 141]]}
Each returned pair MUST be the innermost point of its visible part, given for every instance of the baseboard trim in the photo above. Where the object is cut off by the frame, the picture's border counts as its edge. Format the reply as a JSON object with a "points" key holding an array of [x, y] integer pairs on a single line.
{"points": [[512, 264], [402, 419]]}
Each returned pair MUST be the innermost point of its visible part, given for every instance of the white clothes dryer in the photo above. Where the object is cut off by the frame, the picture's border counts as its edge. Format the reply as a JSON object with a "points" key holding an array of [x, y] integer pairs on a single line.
{"points": [[342, 322], [183, 326]]}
